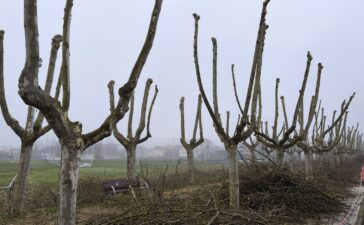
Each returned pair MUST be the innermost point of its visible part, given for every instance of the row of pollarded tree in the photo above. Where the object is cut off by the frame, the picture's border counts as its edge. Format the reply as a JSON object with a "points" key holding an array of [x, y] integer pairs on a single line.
{"points": [[334, 137], [337, 137]]}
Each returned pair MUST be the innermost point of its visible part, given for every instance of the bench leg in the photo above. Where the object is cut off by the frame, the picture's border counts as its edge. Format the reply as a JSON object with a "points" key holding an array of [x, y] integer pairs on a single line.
{"points": [[132, 191], [113, 189]]}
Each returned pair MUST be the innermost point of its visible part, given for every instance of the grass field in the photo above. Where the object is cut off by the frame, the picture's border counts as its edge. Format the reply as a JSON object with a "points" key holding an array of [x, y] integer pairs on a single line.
{"points": [[43, 172]]}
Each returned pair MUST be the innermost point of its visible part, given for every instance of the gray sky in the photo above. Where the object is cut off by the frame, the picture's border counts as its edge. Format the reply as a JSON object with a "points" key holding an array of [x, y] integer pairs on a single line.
{"points": [[106, 39]]}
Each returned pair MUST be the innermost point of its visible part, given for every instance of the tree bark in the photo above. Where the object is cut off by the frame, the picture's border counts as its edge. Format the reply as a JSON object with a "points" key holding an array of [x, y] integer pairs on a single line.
{"points": [[341, 160], [299, 154], [70, 158], [233, 177], [17, 198], [253, 157], [332, 159], [190, 165], [130, 153], [308, 164], [280, 157], [269, 156]]}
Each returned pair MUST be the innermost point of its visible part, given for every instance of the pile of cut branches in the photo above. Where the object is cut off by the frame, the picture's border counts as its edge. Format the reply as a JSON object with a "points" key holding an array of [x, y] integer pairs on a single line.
{"points": [[269, 195], [199, 208], [280, 192]]}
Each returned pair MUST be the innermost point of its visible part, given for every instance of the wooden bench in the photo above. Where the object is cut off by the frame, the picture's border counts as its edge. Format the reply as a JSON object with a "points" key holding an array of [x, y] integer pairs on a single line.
{"points": [[123, 185]]}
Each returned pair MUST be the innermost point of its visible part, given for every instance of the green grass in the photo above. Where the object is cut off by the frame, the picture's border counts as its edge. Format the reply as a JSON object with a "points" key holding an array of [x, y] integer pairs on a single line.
{"points": [[43, 172], [7, 172]]}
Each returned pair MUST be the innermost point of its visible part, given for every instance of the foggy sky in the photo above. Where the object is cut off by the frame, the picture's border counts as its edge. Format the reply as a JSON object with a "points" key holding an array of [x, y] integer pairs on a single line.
{"points": [[106, 39]]}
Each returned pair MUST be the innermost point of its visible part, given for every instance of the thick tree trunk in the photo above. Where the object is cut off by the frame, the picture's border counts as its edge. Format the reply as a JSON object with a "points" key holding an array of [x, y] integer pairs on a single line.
{"points": [[320, 158], [299, 154], [291, 158], [130, 154], [269, 156], [308, 164], [332, 159], [70, 158], [341, 160], [17, 197], [280, 157], [253, 157], [233, 177], [190, 165]]}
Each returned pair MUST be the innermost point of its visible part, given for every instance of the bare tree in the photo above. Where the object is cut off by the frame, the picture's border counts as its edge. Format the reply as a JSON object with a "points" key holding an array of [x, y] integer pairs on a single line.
{"points": [[73, 141], [130, 142], [282, 140], [333, 137], [245, 126], [348, 141], [32, 130], [359, 142], [304, 127], [194, 143], [326, 137], [304, 144]]}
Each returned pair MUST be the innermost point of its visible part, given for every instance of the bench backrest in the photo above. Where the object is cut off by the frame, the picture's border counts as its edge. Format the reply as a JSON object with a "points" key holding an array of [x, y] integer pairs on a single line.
{"points": [[121, 184]]}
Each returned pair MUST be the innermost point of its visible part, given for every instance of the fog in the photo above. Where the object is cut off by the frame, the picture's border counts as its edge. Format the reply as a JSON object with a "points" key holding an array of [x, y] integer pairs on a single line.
{"points": [[106, 39]]}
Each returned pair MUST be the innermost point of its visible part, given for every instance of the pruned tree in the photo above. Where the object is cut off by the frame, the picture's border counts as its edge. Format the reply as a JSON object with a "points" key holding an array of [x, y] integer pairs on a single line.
{"points": [[131, 141], [307, 146], [246, 125], [330, 138], [283, 140], [193, 143], [72, 140], [326, 137], [32, 130], [348, 141], [279, 140], [359, 142], [303, 130]]}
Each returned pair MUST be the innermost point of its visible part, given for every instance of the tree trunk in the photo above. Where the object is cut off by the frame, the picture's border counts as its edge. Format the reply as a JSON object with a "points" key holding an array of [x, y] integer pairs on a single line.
{"points": [[70, 158], [233, 177], [130, 154], [308, 163], [291, 158], [253, 157], [280, 157], [269, 156], [332, 159], [299, 154], [190, 165], [17, 197], [341, 160]]}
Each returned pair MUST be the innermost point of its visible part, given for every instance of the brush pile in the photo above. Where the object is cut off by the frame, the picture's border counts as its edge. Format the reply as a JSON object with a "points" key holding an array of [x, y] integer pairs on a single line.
{"points": [[280, 192], [268, 195]]}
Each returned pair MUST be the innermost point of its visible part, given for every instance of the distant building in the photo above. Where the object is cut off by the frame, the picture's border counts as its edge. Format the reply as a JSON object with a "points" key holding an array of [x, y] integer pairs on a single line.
{"points": [[97, 150], [211, 153], [220, 156], [169, 152], [50, 152], [6, 156], [207, 151], [112, 150]]}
